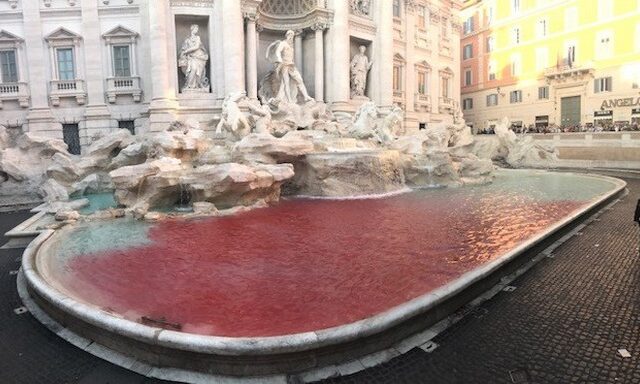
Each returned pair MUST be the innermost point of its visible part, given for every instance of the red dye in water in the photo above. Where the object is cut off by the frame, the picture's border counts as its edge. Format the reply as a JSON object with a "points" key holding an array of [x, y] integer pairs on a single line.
{"points": [[305, 265]]}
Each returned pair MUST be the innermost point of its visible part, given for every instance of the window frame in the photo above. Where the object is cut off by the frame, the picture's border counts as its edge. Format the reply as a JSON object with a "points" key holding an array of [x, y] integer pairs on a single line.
{"points": [[543, 92], [468, 77], [16, 66], [494, 97], [396, 8], [467, 103], [515, 96], [115, 60], [467, 51], [603, 84], [71, 59]]}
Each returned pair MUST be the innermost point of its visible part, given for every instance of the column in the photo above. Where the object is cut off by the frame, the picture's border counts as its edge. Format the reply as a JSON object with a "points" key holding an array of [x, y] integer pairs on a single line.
{"points": [[297, 46], [159, 21], [39, 117], [233, 46], [382, 81], [410, 69], [97, 115], [319, 61], [162, 109], [252, 56], [338, 92]]}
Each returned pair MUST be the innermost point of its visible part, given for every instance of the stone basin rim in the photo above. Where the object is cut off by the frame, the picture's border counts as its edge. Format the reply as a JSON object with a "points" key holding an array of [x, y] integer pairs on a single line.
{"points": [[298, 342]]}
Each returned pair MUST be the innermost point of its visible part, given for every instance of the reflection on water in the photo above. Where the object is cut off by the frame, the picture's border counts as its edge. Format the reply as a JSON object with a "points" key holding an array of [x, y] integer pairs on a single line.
{"points": [[311, 264]]}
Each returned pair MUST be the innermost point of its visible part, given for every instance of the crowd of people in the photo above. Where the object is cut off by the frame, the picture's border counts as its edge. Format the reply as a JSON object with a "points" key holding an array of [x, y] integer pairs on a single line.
{"points": [[554, 128]]}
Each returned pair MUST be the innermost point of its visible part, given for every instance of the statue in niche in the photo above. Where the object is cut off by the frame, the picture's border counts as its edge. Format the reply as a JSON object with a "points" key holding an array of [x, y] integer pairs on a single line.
{"points": [[360, 7], [360, 66], [193, 63], [284, 82]]}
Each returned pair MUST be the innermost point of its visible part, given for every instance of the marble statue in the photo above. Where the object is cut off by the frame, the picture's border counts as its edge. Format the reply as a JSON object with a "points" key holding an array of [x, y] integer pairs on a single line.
{"points": [[193, 63], [284, 82], [361, 7], [360, 66], [232, 119]]}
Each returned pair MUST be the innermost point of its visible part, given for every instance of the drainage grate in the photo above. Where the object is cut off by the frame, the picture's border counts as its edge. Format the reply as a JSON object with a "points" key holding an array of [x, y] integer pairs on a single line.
{"points": [[509, 288], [20, 310], [429, 346], [519, 376]]}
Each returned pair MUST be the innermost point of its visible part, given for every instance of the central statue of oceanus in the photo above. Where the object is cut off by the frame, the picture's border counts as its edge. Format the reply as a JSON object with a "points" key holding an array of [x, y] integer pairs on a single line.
{"points": [[284, 82]]}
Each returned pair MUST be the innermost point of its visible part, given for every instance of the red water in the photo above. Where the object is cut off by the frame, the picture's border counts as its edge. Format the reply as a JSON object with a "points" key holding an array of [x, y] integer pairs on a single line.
{"points": [[305, 265]]}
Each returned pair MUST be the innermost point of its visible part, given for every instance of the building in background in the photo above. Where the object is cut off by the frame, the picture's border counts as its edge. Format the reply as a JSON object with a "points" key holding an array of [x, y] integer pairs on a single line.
{"points": [[545, 62], [75, 69]]}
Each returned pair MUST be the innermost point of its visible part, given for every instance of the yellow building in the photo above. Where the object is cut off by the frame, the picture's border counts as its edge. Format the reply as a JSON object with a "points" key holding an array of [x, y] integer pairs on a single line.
{"points": [[551, 62]]}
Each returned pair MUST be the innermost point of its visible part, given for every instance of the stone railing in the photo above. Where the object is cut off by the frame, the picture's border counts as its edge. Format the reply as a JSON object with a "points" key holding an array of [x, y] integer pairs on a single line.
{"points": [[566, 70], [15, 91], [117, 86], [67, 88], [446, 104], [423, 102]]}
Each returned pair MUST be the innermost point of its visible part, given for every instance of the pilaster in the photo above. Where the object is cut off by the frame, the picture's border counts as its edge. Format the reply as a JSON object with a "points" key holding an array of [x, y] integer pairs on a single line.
{"points": [[233, 46], [39, 117], [338, 91], [382, 84]]}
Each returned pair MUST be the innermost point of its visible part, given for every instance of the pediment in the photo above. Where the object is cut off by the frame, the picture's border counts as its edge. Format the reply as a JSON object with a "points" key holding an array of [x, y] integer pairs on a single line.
{"points": [[423, 64], [61, 34], [9, 37], [447, 71], [398, 57], [120, 31]]}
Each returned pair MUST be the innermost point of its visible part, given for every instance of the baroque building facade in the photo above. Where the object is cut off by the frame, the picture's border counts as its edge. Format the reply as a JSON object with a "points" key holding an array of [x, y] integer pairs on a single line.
{"points": [[572, 64], [74, 69]]}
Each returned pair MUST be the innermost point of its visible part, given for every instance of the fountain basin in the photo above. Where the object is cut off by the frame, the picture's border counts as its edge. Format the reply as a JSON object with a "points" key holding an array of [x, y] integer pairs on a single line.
{"points": [[398, 284]]}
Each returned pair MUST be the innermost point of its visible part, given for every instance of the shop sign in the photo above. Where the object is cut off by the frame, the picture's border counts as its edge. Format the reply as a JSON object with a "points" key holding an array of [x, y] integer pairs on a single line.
{"points": [[626, 102], [635, 111], [602, 113]]}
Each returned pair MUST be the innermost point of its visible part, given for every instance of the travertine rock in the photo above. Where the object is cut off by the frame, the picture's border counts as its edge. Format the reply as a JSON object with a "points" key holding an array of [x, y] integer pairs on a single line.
{"points": [[342, 174], [67, 215], [264, 148]]}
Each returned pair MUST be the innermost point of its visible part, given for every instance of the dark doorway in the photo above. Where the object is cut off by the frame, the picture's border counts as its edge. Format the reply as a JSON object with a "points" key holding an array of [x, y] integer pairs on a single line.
{"points": [[71, 136], [570, 111], [128, 125]]}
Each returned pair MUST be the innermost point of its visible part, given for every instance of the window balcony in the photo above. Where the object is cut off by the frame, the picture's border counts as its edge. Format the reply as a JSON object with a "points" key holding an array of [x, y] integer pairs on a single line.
{"points": [[569, 71], [446, 104], [15, 91], [117, 86], [423, 102], [67, 89]]}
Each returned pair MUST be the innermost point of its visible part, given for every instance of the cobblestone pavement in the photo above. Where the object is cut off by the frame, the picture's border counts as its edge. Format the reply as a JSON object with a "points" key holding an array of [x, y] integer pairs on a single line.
{"points": [[563, 324]]}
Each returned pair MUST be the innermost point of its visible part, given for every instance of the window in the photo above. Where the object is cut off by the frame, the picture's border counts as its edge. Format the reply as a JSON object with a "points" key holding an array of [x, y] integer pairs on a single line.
{"points": [[8, 67], [492, 70], [605, 9], [422, 83], [468, 25], [516, 65], [515, 97], [542, 58], [603, 84], [515, 35], [422, 126], [604, 45], [491, 44], [445, 27], [571, 53], [467, 51], [541, 28], [543, 93], [422, 16], [446, 87], [121, 61], [468, 77], [467, 104], [128, 125], [397, 78], [571, 18], [396, 8], [515, 6], [492, 100], [489, 14], [66, 68]]}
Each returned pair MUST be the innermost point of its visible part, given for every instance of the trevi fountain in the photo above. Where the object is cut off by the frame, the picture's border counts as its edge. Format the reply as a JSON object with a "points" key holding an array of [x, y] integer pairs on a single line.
{"points": [[287, 240]]}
